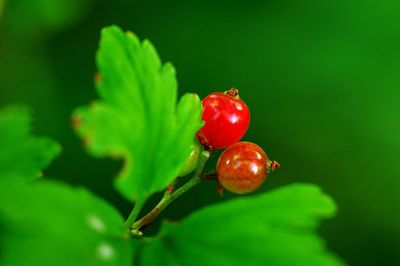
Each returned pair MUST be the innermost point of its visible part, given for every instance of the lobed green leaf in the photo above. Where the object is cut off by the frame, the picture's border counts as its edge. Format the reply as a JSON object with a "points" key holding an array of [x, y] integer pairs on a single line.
{"points": [[277, 228], [46, 223], [137, 117], [22, 154]]}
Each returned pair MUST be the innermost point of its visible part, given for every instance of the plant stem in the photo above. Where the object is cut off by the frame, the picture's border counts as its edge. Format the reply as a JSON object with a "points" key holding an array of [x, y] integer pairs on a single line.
{"points": [[134, 214], [170, 195]]}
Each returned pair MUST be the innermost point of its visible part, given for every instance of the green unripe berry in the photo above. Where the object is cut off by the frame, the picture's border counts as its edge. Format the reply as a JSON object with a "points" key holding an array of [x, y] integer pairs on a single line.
{"points": [[193, 158]]}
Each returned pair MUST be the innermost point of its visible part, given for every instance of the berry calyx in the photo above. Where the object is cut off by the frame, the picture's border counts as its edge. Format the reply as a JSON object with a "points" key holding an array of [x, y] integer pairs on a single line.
{"points": [[232, 92], [243, 167], [193, 158], [226, 118]]}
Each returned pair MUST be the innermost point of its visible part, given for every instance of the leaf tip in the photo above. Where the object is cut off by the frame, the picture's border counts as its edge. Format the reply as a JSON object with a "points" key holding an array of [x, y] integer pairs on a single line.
{"points": [[327, 206], [113, 28], [57, 149]]}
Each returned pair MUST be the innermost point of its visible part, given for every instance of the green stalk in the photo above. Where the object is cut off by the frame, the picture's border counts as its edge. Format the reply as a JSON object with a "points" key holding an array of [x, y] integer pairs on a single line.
{"points": [[170, 196], [134, 214]]}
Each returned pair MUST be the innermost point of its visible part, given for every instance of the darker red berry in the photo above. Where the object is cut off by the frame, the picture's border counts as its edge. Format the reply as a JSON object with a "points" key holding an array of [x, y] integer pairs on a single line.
{"points": [[226, 119], [243, 167]]}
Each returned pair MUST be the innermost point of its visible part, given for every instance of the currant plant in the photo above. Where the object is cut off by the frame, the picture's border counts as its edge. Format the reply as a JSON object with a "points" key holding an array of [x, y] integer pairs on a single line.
{"points": [[43, 222], [137, 118]]}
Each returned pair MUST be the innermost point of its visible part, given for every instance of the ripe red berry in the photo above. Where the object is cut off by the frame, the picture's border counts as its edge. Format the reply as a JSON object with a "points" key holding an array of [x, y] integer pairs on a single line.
{"points": [[243, 167], [226, 119]]}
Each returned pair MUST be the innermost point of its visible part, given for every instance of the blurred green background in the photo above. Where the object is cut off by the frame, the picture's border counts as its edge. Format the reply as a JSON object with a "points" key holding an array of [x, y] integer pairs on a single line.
{"points": [[322, 79]]}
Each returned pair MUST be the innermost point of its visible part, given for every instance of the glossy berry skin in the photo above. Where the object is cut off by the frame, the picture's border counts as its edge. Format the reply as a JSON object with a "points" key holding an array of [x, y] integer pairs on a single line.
{"points": [[226, 119], [242, 167]]}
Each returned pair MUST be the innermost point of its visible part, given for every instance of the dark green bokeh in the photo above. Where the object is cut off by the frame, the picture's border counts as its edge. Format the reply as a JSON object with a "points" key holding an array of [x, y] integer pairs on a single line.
{"points": [[321, 78]]}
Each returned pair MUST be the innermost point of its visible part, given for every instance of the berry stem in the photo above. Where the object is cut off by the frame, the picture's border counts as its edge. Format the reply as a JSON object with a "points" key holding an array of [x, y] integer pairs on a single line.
{"points": [[170, 196], [134, 214]]}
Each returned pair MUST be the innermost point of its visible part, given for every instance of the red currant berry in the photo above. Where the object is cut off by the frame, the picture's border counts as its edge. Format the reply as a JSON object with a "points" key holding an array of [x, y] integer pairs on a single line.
{"points": [[226, 119], [243, 167]]}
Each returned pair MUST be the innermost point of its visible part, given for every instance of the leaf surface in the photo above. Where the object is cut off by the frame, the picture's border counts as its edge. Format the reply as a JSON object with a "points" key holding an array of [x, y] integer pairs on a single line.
{"points": [[276, 228], [137, 117], [46, 223], [22, 154]]}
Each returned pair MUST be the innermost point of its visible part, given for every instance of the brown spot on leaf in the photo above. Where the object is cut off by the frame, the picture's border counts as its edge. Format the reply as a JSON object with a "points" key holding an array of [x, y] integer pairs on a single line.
{"points": [[97, 78], [85, 140], [76, 121]]}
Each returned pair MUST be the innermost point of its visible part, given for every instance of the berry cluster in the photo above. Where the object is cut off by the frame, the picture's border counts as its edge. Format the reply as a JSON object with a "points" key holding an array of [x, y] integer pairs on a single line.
{"points": [[243, 166]]}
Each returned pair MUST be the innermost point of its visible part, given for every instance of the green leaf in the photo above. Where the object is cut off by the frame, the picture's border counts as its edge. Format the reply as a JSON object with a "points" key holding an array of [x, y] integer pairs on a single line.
{"points": [[45, 223], [20, 153], [276, 228], [137, 117]]}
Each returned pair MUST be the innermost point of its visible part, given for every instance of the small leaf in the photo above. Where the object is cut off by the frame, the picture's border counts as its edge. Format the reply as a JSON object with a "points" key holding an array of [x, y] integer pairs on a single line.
{"points": [[46, 223], [20, 153], [275, 228], [137, 117]]}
